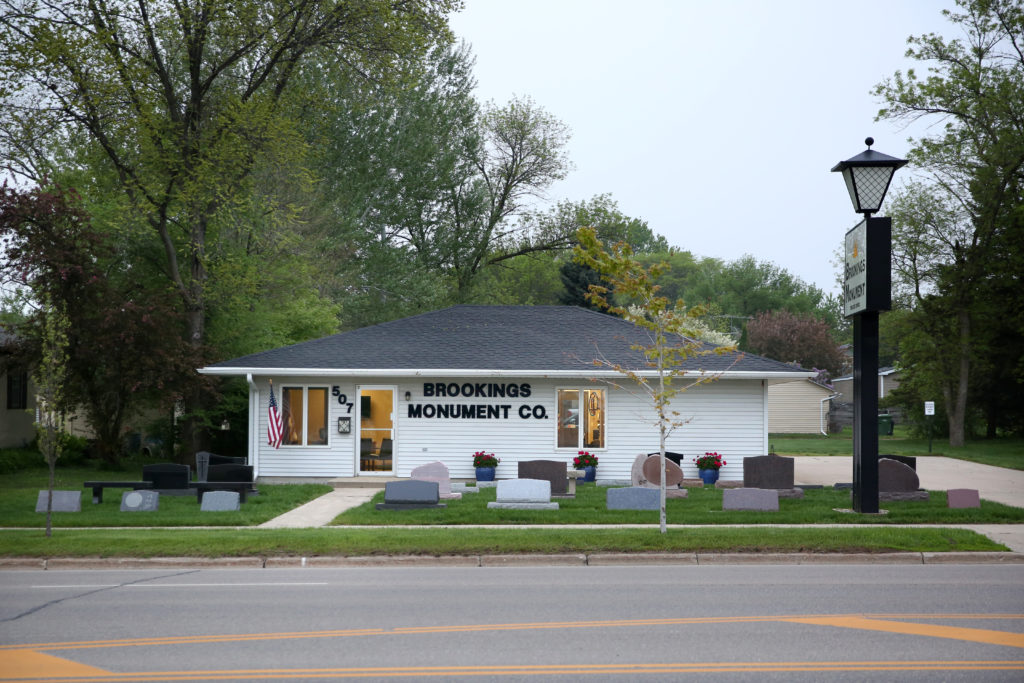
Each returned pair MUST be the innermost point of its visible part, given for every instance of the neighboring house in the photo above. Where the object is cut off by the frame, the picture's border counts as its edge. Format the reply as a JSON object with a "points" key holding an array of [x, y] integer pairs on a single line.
{"points": [[799, 407], [842, 406], [17, 407], [888, 379], [518, 381]]}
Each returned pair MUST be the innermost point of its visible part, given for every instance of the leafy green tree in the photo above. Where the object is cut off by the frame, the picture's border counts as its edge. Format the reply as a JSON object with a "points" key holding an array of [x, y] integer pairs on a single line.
{"points": [[670, 325], [957, 239], [50, 378], [123, 347], [183, 101]]}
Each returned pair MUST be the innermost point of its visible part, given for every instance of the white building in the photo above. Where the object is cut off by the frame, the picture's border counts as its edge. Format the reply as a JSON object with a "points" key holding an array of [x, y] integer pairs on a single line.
{"points": [[518, 381]]}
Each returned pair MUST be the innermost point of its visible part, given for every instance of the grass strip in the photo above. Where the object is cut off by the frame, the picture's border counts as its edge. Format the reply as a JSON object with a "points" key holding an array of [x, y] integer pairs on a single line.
{"points": [[701, 506], [475, 541], [1002, 452]]}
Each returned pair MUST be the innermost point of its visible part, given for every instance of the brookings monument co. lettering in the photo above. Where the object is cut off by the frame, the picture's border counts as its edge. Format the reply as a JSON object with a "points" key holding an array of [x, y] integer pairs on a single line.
{"points": [[476, 411]]}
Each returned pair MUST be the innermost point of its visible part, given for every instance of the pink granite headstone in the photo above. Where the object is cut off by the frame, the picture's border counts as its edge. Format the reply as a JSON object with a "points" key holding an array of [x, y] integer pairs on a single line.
{"points": [[963, 498]]}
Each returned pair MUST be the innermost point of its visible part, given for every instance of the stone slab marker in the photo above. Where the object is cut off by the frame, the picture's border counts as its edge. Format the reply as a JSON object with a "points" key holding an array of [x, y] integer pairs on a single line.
{"points": [[220, 501], [554, 471], [963, 498], [765, 500], [523, 494], [768, 472], [437, 471], [894, 476], [140, 501], [63, 501], [410, 494], [634, 498]]}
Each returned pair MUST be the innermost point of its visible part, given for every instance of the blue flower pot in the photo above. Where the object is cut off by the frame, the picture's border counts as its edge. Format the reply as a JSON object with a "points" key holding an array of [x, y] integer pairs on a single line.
{"points": [[589, 473], [485, 473], [709, 476]]}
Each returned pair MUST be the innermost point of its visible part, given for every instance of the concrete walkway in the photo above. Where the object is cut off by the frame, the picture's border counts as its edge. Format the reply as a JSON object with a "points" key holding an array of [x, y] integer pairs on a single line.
{"points": [[322, 510]]}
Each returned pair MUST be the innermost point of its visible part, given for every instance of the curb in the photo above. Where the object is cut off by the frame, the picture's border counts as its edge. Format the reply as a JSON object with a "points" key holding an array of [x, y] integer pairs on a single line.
{"points": [[555, 560]]}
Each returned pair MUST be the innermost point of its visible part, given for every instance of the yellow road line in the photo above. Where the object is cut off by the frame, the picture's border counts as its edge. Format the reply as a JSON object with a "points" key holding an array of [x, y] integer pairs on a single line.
{"points": [[529, 670], [974, 635], [464, 628]]}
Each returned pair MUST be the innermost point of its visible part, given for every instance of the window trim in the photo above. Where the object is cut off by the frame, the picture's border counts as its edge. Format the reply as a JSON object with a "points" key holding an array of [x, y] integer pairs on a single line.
{"points": [[579, 436], [305, 415]]}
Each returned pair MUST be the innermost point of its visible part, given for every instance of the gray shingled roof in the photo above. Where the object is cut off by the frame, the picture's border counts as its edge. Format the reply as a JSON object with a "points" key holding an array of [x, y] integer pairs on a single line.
{"points": [[499, 338]]}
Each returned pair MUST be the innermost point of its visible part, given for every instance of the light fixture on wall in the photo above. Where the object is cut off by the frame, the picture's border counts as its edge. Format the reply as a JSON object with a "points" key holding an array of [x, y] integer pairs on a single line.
{"points": [[344, 425], [225, 426], [408, 396]]}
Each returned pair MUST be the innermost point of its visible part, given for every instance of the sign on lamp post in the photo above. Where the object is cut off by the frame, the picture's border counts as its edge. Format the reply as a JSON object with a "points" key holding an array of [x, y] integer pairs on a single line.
{"points": [[867, 291]]}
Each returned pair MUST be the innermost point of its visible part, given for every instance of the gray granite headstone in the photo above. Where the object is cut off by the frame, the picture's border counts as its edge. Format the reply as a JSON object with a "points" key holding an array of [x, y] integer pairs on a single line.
{"points": [[436, 471], [140, 501], [895, 477], [963, 498], [63, 501], [523, 494], [410, 494], [633, 498], [652, 472], [220, 501], [765, 500], [768, 472], [554, 471]]}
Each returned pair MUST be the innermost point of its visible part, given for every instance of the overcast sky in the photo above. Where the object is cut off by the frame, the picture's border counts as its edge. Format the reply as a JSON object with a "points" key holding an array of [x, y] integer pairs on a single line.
{"points": [[716, 121]]}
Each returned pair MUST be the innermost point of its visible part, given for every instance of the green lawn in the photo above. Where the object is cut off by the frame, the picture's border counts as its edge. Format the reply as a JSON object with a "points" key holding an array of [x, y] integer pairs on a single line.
{"points": [[18, 493], [702, 506], [1003, 452], [436, 542]]}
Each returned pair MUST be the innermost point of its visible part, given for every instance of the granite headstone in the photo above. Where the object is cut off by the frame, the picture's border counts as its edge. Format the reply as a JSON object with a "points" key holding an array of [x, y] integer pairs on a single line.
{"points": [[436, 471], [963, 498], [765, 500], [140, 501], [633, 498], [410, 494], [554, 471], [63, 501], [523, 494], [220, 501]]}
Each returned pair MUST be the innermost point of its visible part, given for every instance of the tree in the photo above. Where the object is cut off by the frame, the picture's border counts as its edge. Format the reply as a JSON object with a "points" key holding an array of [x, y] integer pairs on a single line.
{"points": [[791, 337], [182, 101], [49, 378], [122, 346], [957, 239], [670, 326]]}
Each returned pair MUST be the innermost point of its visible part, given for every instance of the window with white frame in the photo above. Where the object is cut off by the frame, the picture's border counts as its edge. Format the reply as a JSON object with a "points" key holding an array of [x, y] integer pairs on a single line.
{"points": [[581, 418], [304, 416]]}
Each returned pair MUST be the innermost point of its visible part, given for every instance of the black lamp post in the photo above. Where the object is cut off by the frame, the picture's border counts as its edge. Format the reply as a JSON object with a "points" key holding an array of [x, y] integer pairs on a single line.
{"points": [[867, 285]]}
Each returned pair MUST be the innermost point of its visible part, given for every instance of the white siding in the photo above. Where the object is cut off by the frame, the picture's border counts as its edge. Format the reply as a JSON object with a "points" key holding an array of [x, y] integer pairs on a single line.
{"points": [[725, 416], [795, 407]]}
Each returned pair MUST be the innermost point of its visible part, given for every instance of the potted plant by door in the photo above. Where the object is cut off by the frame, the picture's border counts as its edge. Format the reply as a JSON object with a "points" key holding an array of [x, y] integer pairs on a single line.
{"points": [[588, 463], [708, 466], [485, 463]]}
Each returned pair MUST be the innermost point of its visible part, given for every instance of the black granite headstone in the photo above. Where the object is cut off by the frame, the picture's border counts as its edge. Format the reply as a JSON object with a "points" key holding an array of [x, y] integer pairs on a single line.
{"points": [[167, 476], [768, 472], [554, 471], [411, 494], [229, 472]]}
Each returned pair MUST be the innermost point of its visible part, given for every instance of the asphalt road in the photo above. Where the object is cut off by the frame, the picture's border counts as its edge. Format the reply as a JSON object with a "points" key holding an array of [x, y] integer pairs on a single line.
{"points": [[650, 623]]}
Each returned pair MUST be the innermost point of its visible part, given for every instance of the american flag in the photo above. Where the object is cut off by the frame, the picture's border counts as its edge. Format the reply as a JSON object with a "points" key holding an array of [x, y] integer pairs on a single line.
{"points": [[274, 428]]}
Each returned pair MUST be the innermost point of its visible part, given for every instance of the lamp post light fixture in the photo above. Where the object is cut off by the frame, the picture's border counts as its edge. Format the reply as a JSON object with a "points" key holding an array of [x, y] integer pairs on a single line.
{"points": [[867, 290]]}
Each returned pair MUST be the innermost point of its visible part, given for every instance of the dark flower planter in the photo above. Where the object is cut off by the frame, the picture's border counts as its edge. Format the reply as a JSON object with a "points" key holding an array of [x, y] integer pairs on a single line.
{"points": [[485, 473], [709, 476]]}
